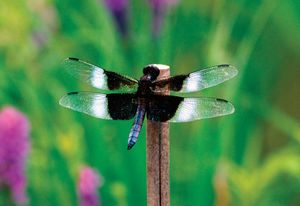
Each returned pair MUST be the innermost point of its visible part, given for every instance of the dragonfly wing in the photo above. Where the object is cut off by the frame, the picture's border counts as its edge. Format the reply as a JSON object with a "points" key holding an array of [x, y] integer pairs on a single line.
{"points": [[199, 80], [98, 77], [179, 109], [104, 106]]}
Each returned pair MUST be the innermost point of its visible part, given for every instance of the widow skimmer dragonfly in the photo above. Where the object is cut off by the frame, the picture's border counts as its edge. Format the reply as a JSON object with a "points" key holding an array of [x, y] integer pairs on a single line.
{"points": [[124, 98]]}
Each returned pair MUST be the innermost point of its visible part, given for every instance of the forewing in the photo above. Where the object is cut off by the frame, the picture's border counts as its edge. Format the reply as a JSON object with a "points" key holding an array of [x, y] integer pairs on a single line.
{"points": [[104, 106], [198, 80], [100, 78], [179, 109]]}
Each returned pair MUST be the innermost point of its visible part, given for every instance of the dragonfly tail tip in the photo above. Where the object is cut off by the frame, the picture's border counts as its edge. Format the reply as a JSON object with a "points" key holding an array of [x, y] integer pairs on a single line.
{"points": [[130, 146]]}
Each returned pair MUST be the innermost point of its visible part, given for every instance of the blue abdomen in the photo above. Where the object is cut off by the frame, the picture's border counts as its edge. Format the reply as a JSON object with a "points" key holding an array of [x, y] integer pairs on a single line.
{"points": [[137, 125]]}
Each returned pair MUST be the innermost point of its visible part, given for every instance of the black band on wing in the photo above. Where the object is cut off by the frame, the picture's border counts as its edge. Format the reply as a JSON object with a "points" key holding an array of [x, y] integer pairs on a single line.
{"points": [[116, 81], [121, 106], [162, 108], [175, 83]]}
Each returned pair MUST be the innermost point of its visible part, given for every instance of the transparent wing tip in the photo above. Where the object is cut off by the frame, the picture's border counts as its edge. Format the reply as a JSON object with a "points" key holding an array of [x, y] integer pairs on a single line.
{"points": [[233, 70], [64, 101], [230, 108], [226, 107], [229, 69]]}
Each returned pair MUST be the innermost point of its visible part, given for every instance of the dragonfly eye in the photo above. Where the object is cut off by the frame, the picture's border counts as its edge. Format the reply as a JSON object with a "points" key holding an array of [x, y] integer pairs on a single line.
{"points": [[152, 70]]}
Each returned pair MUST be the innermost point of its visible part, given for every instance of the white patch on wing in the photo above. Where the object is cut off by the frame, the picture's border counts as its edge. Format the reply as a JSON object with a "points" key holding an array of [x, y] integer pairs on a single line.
{"points": [[187, 110], [98, 78], [99, 107], [193, 82]]}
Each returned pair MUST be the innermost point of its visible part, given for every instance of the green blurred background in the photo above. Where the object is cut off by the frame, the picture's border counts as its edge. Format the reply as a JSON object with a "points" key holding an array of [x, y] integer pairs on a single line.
{"points": [[248, 158]]}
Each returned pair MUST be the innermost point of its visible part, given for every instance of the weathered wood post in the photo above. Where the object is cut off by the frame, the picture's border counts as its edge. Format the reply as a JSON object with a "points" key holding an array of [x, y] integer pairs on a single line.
{"points": [[158, 157]]}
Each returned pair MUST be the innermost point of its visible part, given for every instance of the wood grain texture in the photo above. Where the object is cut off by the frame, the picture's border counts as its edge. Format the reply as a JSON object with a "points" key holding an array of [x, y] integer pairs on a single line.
{"points": [[158, 157]]}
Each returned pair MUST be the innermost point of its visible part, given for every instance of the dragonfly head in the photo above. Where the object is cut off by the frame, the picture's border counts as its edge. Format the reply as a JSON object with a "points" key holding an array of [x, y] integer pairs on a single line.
{"points": [[151, 72]]}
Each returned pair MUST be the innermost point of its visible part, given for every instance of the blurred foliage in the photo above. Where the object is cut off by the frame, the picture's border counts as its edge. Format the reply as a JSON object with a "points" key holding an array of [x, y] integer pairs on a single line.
{"points": [[256, 150]]}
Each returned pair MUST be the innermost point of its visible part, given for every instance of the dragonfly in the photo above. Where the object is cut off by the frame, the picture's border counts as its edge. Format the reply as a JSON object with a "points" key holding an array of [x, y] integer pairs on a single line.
{"points": [[122, 98]]}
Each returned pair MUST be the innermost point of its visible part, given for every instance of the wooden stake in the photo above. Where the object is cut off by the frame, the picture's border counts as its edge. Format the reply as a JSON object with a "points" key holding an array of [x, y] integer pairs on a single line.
{"points": [[158, 157]]}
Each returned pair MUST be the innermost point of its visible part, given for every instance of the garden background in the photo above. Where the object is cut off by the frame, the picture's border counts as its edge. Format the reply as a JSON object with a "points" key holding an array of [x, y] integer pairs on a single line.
{"points": [[249, 158]]}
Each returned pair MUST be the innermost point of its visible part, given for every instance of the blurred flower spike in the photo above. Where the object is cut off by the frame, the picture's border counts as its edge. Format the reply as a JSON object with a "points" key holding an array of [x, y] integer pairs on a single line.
{"points": [[159, 8], [119, 9], [89, 182], [14, 148]]}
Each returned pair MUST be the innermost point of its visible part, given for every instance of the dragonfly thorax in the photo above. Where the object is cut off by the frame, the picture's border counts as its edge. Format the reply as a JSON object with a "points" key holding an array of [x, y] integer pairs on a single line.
{"points": [[144, 86], [151, 72]]}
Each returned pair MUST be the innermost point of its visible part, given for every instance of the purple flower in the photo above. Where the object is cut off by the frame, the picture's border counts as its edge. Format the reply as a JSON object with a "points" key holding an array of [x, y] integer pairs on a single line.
{"points": [[89, 182], [159, 8], [161, 3], [14, 147], [118, 9]]}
